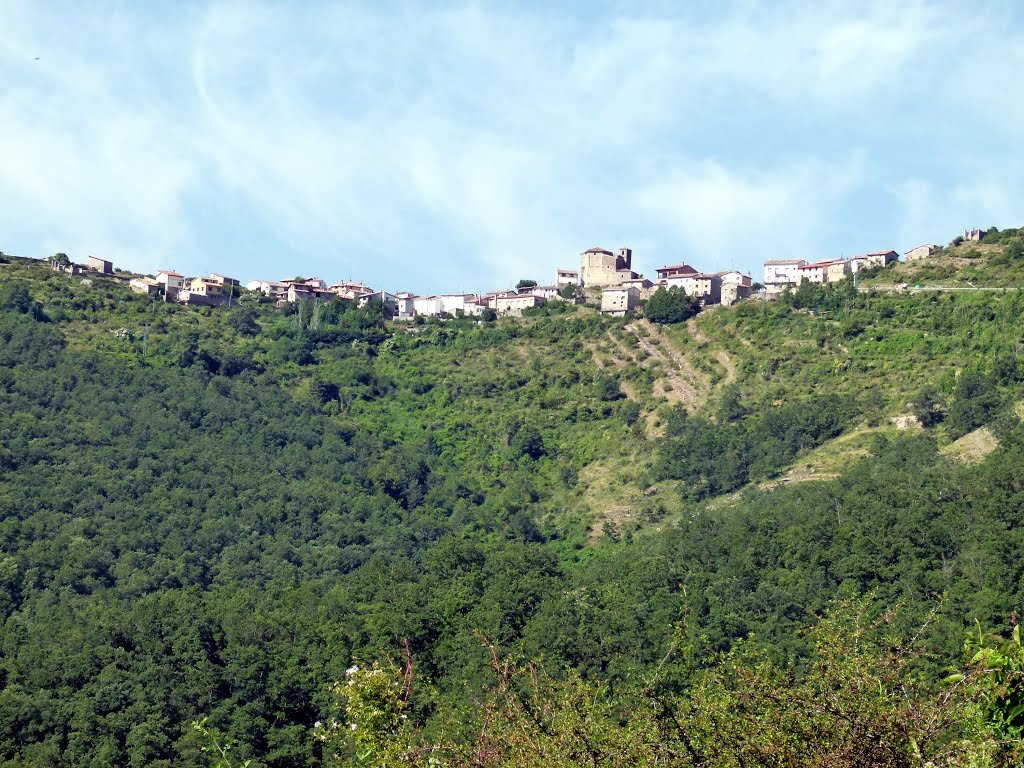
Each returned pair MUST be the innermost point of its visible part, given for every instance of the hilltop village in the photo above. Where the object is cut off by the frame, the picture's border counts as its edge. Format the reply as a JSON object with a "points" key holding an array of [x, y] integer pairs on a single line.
{"points": [[604, 278]]}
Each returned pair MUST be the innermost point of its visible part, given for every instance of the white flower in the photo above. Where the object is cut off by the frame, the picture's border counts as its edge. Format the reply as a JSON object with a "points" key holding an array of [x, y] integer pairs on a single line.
{"points": [[351, 670], [405, 717], [353, 726], [316, 724]]}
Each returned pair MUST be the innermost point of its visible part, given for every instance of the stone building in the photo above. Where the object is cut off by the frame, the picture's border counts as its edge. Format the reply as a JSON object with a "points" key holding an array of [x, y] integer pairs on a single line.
{"points": [[102, 266], [920, 252], [599, 267], [735, 286], [619, 300]]}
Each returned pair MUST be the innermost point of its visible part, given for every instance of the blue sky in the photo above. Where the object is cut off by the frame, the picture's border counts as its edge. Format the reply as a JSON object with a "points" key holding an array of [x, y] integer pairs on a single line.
{"points": [[461, 146]]}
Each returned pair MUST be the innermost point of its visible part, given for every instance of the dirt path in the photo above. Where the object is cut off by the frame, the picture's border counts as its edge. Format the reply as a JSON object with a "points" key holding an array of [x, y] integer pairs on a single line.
{"points": [[730, 367], [691, 326], [723, 357], [687, 385]]}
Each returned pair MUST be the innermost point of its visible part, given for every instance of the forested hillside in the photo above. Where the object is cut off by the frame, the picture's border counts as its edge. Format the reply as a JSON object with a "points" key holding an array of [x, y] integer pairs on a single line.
{"points": [[214, 513]]}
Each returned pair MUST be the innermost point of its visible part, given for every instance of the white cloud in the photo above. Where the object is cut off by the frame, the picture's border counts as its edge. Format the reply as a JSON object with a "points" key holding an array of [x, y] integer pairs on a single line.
{"points": [[473, 144], [725, 217]]}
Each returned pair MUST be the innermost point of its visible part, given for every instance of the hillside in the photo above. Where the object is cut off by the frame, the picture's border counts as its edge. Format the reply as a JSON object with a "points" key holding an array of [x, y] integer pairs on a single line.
{"points": [[215, 512]]}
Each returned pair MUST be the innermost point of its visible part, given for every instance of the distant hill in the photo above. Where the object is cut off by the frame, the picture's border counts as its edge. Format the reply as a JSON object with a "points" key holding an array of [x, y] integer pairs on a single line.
{"points": [[213, 512]]}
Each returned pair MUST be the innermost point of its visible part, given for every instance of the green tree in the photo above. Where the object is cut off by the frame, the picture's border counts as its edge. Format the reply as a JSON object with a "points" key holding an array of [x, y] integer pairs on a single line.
{"points": [[524, 283], [528, 441], [928, 407], [672, 305], [243, 322], [14, 297]]}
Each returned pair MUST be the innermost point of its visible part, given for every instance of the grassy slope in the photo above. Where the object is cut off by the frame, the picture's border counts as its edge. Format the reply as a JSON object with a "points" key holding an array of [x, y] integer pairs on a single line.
{"points": [[882, 349]]}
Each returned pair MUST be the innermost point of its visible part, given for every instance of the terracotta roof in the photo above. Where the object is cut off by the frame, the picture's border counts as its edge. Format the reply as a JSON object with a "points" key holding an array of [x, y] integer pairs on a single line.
{"points": [[568, 272], [169, 273], [822, 264], [881, 253], [676, 266], [779, 262], [598, 250]]}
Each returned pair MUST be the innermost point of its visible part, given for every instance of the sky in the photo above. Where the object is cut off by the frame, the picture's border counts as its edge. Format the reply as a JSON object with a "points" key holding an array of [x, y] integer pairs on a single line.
{"points": [[443, 147]]}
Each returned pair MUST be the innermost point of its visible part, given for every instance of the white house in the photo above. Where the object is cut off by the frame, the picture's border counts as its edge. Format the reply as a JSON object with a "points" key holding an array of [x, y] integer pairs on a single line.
{"points": [[405, 304], [780, 274], [707, 288], [455, 302], [564, 277], [547, 291], [426, 306], [389, 300], [515, 304], [813, 273], [170, 280], [475, 307], [619, 300]]}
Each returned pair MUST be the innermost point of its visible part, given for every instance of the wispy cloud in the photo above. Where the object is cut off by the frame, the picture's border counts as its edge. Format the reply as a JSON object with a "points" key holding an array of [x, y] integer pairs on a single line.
{"points": [[469, 145]]}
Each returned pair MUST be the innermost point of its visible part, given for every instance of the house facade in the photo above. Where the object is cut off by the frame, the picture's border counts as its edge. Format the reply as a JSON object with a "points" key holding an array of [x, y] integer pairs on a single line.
{"points": [[644, 287], [453, 303], [170, 280], [547, 291], [837, 270], [780, 274], [707, 288], [514, 305], [920, 252], [348, 289], [619, 300], [813, 273], [405, 304], [735, 286], [880, 258], [426, 306], [204, 286], [677, 270], [143, 285], [564, 277], [102, 266]]}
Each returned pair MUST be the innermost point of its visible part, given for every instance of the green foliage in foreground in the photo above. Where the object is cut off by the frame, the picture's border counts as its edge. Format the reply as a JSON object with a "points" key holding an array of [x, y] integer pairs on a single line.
{"points": [[860, 703]]}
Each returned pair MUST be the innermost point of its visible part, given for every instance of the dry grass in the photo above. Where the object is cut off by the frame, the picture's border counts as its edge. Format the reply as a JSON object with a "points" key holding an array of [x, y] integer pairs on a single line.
{"points": [[973, 447]]}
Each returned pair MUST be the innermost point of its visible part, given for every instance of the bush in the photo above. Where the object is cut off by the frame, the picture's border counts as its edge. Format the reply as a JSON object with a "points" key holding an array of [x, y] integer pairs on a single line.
{"points": [[669, 306], [528, 442]]}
